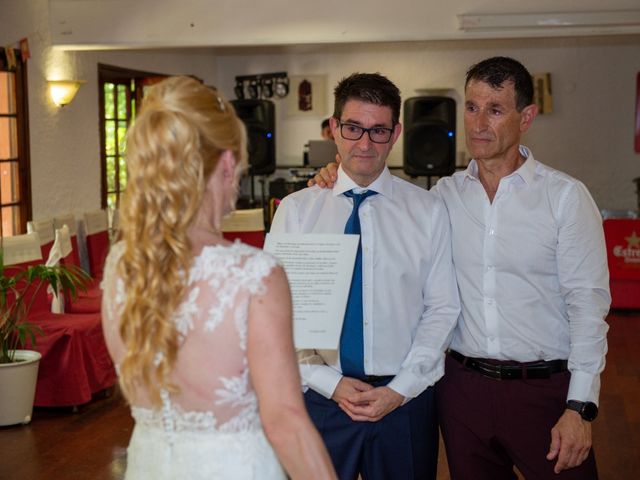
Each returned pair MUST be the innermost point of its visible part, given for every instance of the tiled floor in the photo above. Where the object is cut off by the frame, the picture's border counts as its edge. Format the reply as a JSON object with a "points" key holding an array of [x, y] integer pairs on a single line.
{"points": [[90, 444]]}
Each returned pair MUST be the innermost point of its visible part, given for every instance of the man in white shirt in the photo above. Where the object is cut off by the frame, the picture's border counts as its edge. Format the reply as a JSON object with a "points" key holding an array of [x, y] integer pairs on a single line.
{"points": [[531, 264], [376, 413], [523, 373]]}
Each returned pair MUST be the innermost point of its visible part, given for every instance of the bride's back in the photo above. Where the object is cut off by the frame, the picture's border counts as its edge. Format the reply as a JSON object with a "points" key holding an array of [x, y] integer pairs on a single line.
{"points": [[211, 370]]}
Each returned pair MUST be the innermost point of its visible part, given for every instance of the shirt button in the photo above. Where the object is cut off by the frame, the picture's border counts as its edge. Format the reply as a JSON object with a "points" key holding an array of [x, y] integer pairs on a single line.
{"points": [[489, 301], [492, 232]]}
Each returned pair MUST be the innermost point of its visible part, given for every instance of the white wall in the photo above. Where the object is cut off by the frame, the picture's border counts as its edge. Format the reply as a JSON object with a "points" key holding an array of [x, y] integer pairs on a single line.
{"points": [[65, 143], [588, 135]]}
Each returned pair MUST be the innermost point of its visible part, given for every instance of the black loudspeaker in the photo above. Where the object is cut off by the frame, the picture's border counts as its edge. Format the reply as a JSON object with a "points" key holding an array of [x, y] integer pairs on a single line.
{"points": [[429, 136], [259, 118]]}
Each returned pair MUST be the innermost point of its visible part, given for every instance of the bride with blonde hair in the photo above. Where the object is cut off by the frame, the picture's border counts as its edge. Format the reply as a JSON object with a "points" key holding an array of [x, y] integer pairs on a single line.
{"points": [[199, 328]]}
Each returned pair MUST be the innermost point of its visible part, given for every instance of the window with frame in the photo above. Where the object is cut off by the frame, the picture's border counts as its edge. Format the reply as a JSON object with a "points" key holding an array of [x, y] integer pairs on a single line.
{"points": [[121, 92], [119, 110], [15, 188]]}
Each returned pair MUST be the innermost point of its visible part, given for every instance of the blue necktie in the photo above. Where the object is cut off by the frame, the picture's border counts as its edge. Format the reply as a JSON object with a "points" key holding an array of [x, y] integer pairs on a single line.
{"points": [[352, 339]]}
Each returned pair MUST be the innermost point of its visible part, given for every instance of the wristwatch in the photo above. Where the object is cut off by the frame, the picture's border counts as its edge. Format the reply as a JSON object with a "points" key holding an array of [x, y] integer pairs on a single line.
{"points": [[587, 410]]}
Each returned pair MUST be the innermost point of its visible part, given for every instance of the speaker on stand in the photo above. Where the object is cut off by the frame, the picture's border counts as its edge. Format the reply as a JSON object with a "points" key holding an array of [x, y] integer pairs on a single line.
{"points": [[429, 137], [258, 116]]}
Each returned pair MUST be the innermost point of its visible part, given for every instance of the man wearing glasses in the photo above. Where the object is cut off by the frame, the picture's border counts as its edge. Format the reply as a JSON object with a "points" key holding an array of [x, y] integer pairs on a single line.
{"points": [[372, 400]]}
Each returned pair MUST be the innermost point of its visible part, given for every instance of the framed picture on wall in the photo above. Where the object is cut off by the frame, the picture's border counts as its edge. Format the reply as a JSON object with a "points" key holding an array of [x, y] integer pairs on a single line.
{"points": [[542, 92], [307, 96]]}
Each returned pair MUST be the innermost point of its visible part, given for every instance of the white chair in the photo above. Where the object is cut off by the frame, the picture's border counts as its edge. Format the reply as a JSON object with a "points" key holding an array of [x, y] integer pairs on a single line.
{"points": [[20, 249], [70, 221], [60, 249], [45, 230], [62, 246], [85, 302]]}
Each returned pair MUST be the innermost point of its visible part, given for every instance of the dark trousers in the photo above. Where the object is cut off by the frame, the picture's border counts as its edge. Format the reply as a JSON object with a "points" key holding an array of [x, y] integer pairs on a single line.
{"points": [[489, 425], [402, 445]]}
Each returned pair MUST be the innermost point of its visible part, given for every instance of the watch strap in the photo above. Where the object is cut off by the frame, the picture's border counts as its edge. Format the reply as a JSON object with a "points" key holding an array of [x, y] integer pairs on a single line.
{"points": [[587, 410]]}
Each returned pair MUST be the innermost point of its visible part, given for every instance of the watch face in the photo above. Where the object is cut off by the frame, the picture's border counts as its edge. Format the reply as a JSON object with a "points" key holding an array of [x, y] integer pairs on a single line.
{"points": [[589, 411]]}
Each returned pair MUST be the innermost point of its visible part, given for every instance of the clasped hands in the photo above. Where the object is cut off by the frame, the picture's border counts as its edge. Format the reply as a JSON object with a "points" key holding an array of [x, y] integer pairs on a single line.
{"points": [[364, 402]]}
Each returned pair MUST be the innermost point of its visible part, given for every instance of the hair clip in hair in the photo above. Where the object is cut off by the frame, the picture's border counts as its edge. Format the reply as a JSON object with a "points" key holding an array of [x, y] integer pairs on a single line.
{"points": [[221, 104]]}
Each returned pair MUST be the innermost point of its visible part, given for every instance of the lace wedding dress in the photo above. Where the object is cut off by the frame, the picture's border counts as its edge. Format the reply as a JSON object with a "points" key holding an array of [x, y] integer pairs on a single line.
{"points": [[211, 428]]}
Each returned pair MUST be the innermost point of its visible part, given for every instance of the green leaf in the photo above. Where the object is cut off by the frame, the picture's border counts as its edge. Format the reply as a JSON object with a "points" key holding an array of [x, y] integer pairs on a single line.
{"points": [[22, 284]]}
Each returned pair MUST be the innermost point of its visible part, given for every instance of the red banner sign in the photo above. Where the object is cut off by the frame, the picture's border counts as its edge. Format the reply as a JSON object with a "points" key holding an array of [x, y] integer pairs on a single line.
{"points": [[623, 248]]}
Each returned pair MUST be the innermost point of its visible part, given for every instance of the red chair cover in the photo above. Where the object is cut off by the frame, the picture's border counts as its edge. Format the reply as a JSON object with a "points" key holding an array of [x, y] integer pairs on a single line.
{"points": [[246, 226], [93, 292], [89, 301], [74, 257], [255, 239], [75, 361], [82, 304], [97, 249]]}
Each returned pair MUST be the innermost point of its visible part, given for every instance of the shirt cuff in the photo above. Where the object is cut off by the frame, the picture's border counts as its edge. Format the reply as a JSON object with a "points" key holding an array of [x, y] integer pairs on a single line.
{"points": [[323, 379], [584, 387], [407, 385]]}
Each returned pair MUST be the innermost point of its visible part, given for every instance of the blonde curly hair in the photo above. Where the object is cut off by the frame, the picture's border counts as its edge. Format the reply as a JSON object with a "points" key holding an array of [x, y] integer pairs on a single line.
{"points": [[172, 149]]}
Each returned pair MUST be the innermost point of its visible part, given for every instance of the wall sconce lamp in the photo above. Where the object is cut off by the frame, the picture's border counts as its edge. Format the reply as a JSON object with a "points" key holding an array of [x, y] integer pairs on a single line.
{"points": [[63, 91]]}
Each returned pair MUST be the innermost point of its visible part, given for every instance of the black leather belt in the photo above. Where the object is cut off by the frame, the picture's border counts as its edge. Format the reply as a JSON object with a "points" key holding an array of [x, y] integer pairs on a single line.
{"points": [[376, 378], [519, 371]]}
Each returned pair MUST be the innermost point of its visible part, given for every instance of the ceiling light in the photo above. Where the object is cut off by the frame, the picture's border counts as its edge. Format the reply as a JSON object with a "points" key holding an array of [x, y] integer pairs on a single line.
{"points": [[506, 21]]}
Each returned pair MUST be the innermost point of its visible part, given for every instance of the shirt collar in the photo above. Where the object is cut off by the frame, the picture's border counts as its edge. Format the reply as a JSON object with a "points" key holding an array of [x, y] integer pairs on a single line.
{"points": [[525, 172], [528, 169], [383, 184]]}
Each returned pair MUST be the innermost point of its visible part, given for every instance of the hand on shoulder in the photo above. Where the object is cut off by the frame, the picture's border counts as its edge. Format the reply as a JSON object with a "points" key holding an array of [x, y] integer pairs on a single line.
{"points": [[326, 176]]}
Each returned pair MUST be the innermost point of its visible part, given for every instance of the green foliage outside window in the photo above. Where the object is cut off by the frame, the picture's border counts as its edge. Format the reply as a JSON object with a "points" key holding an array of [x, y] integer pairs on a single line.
{"points": [[117, 118]]}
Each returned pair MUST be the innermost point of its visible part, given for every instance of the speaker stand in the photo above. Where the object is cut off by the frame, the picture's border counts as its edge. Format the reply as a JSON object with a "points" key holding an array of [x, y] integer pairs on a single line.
{"points": [[252, 197], [263, 200], [428, 182]]}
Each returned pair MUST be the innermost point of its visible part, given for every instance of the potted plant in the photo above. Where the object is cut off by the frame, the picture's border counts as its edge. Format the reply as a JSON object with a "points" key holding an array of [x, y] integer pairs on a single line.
{"points": [[19, 368]]}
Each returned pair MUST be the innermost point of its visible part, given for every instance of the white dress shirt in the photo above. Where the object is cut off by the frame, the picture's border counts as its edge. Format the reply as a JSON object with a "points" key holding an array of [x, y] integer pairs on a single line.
{"points": [[410, 298], [531, 269]]}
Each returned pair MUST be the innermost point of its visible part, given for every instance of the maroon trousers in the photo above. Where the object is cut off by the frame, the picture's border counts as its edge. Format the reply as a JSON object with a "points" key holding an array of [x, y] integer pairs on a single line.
{"points": [[490, 425]]}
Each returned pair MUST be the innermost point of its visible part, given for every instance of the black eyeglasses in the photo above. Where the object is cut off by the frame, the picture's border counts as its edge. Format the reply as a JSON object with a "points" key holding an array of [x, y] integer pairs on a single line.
{"points": [[349, 131]]}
